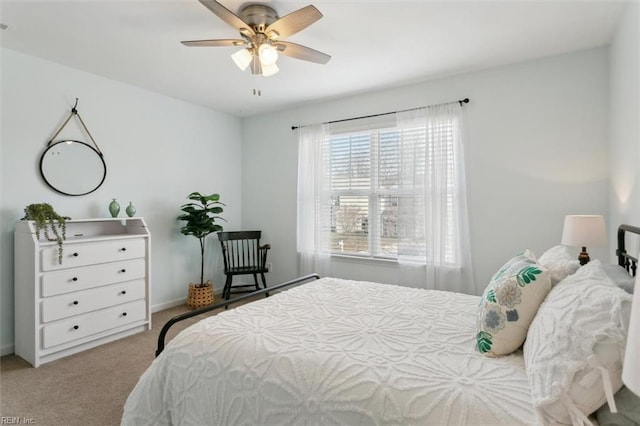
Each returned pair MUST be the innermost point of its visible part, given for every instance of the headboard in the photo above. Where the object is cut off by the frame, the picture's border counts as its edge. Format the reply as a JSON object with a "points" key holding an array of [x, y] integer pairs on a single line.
{"points": [[628, 262]]}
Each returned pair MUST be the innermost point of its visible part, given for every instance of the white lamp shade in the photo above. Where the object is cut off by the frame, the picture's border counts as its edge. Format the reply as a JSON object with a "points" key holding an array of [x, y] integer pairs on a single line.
{"points": [[631, 366], [268, 70], [268, 54], [242, 58], [584, 231]]}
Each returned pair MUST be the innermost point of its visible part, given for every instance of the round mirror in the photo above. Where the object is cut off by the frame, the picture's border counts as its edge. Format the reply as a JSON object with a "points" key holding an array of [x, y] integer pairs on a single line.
{"points": [[72, 167]]}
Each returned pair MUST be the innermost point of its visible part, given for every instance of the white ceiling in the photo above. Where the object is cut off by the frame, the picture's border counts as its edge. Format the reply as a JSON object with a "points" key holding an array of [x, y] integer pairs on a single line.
{"points": [[373, 44]]}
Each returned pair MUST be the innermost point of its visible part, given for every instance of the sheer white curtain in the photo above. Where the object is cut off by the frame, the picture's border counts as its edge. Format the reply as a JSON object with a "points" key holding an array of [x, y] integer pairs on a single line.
{"points": [[437, 250], [433, 249], [313, 200]]}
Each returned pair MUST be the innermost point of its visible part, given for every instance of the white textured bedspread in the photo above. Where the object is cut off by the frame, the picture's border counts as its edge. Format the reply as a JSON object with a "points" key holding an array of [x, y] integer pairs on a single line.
{"points": [[334, 352]]}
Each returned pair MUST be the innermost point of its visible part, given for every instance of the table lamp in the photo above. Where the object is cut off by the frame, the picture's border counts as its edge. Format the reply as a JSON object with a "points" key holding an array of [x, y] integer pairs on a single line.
{"points": [[583, 231]]}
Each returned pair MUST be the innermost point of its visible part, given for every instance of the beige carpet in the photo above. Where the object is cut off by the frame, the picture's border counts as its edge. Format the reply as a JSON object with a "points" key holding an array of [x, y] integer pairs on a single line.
{"points": [[88, 388]]}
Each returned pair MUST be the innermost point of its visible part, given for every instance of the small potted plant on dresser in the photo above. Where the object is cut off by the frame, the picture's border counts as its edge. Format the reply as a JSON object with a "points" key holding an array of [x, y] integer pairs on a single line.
{"points": [[46, 219], [200, 216]]}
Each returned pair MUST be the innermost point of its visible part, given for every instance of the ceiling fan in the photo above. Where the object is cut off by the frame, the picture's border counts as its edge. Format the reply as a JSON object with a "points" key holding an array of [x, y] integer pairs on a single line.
{"points": [[262, 31]]}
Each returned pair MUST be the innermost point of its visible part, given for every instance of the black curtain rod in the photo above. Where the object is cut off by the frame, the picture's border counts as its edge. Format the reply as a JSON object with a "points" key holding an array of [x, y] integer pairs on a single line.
{"points": [[461, 101]]}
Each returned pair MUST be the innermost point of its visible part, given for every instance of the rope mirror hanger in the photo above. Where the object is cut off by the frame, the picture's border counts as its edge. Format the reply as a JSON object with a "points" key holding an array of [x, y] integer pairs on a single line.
{"points": [[72, 167]]}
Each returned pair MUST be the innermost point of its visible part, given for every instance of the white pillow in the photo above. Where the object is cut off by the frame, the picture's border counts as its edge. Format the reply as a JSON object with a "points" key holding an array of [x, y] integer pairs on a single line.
{"points": [[560, 263], [620, 277], [509, 303], [573, 351]]}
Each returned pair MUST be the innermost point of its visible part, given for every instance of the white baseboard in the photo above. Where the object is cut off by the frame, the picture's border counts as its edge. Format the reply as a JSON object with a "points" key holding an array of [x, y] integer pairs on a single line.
{"points": [[7, 349], [167, 305], [172, 304]]}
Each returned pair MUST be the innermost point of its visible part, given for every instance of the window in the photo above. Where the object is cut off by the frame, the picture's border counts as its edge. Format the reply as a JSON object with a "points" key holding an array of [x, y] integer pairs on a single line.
{"points": [[373, 204], [384, 188], [362, 175]]}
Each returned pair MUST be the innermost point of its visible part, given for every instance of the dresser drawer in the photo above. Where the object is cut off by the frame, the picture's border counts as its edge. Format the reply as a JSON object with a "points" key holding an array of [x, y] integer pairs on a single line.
{"points": [[81, 302], [95, 322], [90, 253], [68, 280]]}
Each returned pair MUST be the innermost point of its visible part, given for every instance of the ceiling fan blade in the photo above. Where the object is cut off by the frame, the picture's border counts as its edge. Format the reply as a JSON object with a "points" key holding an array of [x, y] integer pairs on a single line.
{"points": [[228, 16], [214, 43], [302, 52], [293, 22]]}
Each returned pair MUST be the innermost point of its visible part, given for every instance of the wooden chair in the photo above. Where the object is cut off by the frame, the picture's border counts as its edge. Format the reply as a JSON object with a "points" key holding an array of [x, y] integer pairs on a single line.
{"points": [[243, 255]]}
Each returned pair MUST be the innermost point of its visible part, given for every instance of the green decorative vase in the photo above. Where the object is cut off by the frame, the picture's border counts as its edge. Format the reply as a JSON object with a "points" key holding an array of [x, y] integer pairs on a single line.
{"points": [[131, 210], [114, 208]]}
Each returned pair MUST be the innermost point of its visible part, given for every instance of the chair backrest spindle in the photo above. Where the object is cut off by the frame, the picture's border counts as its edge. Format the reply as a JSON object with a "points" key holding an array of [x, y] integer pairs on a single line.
{"points": [[241, 249]]}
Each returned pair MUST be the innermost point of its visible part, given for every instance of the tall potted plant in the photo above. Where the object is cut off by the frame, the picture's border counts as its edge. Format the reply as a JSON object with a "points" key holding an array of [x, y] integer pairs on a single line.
{"points": [[200, 216]]}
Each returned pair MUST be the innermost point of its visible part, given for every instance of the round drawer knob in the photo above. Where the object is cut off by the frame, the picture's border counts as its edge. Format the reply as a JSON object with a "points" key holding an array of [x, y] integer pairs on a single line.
{"points": [[123, 292], [123, 249], [124, 314], [76, 254], [75, 302], [74, 279], [123, 270], [75, 327]]}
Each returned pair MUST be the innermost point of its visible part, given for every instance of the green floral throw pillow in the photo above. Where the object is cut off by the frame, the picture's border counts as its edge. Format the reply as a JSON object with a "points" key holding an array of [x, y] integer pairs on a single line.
{"points": [[509, 304]]}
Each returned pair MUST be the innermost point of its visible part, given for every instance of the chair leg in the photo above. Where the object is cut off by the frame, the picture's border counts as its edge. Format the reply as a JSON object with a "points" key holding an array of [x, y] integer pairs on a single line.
{"points": [[264, 283], [227, 287], [226, 292], [255, 280]]}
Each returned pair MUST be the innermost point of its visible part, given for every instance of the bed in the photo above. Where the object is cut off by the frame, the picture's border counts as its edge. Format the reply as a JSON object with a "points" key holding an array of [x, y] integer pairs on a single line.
{"points": [[339, 352]]}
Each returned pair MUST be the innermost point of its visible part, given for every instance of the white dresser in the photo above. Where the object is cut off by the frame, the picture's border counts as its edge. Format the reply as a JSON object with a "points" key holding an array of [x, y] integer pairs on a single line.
{"points": [[99, 293]]}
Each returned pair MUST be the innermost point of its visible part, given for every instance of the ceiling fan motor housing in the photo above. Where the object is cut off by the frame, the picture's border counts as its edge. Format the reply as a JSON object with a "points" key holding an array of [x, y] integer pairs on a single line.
{"points": [[259, 16]]}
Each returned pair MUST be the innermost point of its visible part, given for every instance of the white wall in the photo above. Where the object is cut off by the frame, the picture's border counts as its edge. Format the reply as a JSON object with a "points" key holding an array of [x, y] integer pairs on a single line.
{"points": [[625, 121], [536, 149], [157, 151]]}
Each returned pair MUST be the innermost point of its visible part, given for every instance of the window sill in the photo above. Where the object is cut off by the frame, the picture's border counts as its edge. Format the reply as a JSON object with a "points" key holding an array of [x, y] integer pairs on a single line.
{"points": [[363, 259], [383, 261]]}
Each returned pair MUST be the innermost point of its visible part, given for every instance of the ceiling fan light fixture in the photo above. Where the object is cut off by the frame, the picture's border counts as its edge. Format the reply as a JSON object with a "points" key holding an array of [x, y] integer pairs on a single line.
{"points": [[268, 54], [268, 70], [273, 35], [242, 58]]}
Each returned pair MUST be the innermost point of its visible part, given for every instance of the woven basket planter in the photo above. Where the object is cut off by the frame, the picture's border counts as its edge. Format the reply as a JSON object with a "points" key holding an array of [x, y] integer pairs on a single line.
{"points": [[200, 296]]}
